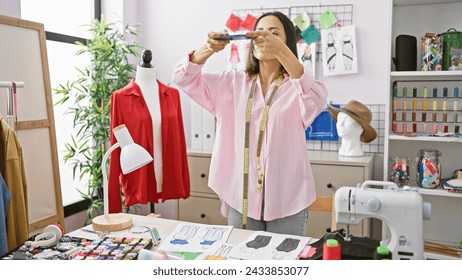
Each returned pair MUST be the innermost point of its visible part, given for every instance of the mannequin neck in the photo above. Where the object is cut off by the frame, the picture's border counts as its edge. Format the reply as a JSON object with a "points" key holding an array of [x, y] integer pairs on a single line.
{"points": [[145, 75], [351, 148]]}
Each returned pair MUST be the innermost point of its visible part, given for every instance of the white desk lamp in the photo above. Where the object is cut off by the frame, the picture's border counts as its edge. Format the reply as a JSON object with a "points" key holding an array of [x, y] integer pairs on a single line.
{"points": [[132, 157]]}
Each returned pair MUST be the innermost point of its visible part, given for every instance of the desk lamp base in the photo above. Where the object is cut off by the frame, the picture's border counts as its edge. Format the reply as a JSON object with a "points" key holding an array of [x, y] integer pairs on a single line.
{"points": [[114, 222]]}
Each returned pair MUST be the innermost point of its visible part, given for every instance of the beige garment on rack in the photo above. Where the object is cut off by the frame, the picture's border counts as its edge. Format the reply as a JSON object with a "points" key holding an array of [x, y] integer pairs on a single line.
{"points": [[17, 219]]}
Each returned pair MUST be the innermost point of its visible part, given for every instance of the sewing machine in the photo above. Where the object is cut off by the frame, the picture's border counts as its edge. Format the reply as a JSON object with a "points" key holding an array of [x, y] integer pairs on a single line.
{"points": [[401, 209]]}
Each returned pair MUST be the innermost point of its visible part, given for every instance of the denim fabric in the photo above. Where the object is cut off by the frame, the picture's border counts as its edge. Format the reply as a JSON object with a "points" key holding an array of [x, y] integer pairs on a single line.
{"points": [[294, 225], [5, 197]]}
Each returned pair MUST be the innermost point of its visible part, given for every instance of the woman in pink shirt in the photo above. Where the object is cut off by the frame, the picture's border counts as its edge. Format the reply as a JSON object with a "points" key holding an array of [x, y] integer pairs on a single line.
{"points": [[259, 167]]}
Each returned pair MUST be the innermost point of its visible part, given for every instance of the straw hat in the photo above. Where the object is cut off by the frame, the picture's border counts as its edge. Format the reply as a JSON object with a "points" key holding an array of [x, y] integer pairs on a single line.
{"points": [[360, 113]]}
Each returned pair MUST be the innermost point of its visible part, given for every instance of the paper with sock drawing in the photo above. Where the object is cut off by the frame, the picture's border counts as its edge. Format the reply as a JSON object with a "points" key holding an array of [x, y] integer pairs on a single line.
{"points": [[217, 251], [191, 237], [263, 245]]}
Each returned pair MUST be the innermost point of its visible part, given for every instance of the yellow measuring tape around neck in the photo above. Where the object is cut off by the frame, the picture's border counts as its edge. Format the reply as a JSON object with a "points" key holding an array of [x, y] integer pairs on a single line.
{"points": [[263, 122]]}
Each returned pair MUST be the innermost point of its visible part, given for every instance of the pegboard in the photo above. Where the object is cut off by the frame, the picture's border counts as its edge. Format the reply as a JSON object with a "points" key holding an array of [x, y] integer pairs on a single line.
{"points": [[343, 13], [376, 146]]}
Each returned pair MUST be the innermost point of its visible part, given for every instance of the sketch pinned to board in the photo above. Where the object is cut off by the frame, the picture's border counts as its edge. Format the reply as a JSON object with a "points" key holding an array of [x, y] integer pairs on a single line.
{"points": [[194, 237], [307, 56], [339, 55], [269, 246]]}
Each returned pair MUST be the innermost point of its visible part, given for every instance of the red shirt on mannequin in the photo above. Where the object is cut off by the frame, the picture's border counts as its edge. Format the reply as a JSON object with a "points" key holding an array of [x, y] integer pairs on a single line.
{"points": [[129, 107]]}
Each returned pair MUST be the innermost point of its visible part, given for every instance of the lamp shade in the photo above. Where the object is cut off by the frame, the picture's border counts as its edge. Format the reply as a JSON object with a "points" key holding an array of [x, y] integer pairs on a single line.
{"points": [[132, 157]]}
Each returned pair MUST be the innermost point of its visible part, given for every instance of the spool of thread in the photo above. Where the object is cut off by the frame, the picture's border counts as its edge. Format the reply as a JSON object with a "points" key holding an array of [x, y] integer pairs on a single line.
{"points": [[331, 250], [405, 101], [382, 253], [456, 102]]}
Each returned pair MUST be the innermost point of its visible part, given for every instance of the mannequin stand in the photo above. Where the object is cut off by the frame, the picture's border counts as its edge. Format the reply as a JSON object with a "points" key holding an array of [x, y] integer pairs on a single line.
{"points": [[114, 222]]}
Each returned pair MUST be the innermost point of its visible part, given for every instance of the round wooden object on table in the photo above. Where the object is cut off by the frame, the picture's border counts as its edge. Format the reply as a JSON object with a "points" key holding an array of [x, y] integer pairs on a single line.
{"points": [[114, 222]]}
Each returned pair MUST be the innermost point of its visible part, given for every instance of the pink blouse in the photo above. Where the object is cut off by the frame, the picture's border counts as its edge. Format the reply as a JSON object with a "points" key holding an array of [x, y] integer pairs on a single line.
{"points": [[289, 184]]}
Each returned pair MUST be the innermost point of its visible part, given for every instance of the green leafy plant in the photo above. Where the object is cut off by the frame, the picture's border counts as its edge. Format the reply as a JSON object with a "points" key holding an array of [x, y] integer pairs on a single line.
{"points": [[89, 98]]}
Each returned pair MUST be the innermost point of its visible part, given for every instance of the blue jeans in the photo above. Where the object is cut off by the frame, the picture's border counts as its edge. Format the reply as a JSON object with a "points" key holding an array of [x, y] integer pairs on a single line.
{"points": [[294, 225]]}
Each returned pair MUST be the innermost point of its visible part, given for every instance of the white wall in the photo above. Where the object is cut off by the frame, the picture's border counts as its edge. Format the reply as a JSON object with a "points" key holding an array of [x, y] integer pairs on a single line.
{"points": [[11, 8]]}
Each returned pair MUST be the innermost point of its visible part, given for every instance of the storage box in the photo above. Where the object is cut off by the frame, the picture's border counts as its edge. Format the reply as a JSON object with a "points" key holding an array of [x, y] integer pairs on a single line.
{"points": [[432, 52], [452, 48]]}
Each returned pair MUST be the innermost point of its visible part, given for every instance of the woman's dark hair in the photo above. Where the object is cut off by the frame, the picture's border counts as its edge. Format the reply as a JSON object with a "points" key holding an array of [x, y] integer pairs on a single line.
{"points": [[252, 66]]}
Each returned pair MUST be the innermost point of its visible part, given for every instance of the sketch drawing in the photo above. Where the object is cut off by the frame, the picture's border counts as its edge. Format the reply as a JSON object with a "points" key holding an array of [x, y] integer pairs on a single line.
{"points": [[269, 246], [347, 50], [307, 56], [195, 238], [287, 246], [339, 47], [331, 52], [186, 233], [213, 234]]}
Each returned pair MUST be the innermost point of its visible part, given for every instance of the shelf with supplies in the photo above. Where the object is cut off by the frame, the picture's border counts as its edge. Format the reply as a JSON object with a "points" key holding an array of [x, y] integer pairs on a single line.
{"points": [[439, 192], [425, 138], [437, 75], [426, 118]]}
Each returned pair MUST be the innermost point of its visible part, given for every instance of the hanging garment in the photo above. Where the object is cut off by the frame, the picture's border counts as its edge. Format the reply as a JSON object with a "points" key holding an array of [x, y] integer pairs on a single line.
{"points": [[5, 197], [17, 219], [129, 107]]}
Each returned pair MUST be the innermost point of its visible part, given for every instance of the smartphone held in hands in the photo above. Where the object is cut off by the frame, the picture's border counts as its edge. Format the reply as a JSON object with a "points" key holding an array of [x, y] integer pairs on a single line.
{"points": [[233, 37]]}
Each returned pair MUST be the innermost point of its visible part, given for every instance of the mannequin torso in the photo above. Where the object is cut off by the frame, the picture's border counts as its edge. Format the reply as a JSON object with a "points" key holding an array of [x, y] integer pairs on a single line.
{"points": [[146, 80], [350, 131]]}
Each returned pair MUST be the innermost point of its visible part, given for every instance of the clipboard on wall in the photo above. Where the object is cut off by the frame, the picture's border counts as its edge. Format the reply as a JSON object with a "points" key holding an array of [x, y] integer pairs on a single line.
{"points": [[323, 128]]}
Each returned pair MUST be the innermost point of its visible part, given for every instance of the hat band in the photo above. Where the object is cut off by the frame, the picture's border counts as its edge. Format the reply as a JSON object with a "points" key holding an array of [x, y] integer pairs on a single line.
{"points": [[353, 113]]}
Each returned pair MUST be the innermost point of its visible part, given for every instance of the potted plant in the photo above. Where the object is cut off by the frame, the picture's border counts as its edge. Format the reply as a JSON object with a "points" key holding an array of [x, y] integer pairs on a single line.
{"points": [[89, 98]]}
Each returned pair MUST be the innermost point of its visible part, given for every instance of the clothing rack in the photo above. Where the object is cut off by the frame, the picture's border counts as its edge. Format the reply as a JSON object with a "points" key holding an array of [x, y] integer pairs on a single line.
{"points": [[11, 108]]}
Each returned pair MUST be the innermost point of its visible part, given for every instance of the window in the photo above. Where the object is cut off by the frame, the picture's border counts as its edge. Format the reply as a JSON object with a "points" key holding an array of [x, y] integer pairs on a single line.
{"points": [[64, 23]]}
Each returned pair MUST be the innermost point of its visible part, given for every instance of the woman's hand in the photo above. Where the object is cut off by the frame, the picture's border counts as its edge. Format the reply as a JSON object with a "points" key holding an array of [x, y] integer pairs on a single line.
{"points": [[272, 46], [212, 46], [265, 42]]}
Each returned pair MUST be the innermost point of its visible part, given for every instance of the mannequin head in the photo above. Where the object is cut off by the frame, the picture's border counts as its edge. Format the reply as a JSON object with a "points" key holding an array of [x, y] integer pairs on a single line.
{"points": [[146, 57], [354, 126], [347, 127], [350, 131]]}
